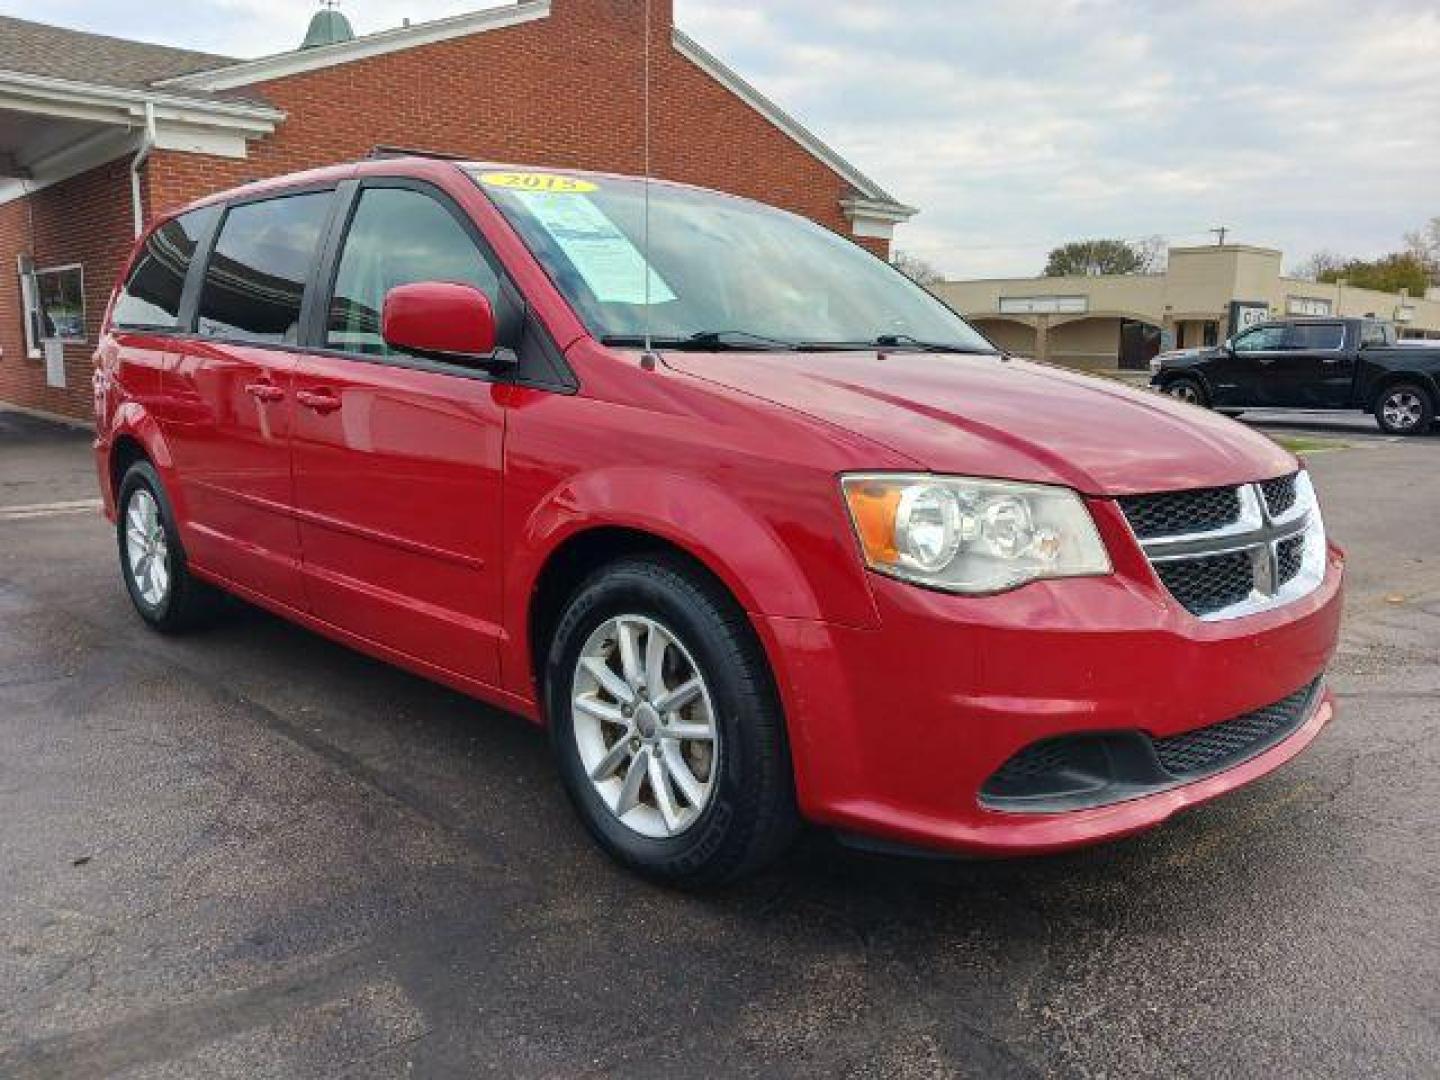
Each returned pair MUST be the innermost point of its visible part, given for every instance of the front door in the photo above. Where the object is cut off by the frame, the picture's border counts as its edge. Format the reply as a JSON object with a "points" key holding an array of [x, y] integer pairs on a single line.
{"points": [[1244, 374], [231, 405], [398, 458]]}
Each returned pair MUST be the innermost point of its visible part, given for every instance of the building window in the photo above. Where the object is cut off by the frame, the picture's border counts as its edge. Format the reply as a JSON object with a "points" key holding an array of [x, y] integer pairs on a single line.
{"points": [[54, 302], [1309, 305], [1044, 305]]}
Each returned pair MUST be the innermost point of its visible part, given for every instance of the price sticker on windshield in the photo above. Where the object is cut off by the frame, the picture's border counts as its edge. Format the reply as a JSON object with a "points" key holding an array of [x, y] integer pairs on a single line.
{"points": [[547, 182]]}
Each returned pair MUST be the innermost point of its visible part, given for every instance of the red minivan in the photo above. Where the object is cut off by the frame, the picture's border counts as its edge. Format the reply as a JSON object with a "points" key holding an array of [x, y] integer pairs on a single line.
{"points": [[760, 530]]}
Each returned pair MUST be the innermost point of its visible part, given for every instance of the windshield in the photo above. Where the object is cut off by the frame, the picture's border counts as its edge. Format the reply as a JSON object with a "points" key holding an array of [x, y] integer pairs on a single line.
{"points": [[723, 271]]}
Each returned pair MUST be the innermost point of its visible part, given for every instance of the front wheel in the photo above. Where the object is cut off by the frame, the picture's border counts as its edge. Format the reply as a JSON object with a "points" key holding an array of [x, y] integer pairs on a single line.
{"points": [[1404, 409], [1184, 388], [666, 725]]}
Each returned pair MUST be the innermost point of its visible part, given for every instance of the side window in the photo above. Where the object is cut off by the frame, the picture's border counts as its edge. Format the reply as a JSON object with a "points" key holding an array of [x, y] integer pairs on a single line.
{"points": [[1373, 333], [1261, 339], [1316, 336], [397, 237], [256, 276], [150, 297]]}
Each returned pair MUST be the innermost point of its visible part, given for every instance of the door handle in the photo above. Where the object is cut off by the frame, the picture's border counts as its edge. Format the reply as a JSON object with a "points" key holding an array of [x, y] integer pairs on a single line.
{"points": [[321, 401], [264, 392]]}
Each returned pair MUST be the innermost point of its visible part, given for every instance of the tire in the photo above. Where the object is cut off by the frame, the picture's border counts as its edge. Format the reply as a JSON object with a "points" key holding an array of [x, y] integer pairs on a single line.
{"points": [[162, 589], [1187, 389], [736, 812], [1404, 408]]}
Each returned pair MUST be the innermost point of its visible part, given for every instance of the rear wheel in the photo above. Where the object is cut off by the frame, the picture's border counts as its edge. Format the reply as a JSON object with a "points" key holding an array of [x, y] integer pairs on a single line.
{"points": [[1404, 409], [666, 726], [1184, 388], [152, 560]]}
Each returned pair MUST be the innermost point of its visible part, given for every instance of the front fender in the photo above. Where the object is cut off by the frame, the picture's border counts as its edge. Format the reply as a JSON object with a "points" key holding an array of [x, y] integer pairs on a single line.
{"points": [[735, 542]]}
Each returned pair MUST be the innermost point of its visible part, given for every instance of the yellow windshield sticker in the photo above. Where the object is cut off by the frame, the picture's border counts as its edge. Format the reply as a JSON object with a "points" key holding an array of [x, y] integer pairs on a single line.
{"points": [[532, 181]]}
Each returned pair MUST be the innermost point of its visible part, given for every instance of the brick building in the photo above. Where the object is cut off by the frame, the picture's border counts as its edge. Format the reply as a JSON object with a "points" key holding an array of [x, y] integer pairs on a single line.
{"points": [[97, 134]]}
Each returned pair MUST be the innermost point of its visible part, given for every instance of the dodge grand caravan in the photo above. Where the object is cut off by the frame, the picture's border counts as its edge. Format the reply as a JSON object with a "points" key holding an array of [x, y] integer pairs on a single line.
{"points": [[761, 531]]}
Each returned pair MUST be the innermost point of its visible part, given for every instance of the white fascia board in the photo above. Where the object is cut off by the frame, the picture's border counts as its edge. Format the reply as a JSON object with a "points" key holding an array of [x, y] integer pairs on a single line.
{"points": [[299, 61], [713, 66], [109, 104]]}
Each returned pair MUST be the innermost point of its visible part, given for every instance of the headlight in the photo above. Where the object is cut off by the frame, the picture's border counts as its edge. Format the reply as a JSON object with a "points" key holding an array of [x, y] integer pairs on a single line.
{"points": [[1156, 363], [972, 536]]}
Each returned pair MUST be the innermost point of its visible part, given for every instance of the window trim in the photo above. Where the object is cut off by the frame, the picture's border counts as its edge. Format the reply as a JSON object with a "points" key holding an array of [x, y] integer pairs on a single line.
{"points": [[190, 329]]}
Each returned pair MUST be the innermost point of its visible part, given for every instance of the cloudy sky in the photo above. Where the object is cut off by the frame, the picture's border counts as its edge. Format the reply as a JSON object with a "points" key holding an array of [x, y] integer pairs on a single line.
{"points": [[1302, 124]]}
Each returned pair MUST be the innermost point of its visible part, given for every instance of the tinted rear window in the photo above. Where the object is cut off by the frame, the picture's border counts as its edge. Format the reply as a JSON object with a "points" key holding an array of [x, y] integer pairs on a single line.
{"points": [[1316, 336], [150, 298], [256, 276]]}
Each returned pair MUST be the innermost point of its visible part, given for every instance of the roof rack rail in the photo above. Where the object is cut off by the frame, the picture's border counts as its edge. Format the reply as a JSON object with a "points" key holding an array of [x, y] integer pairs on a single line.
{"points": [[382, 152]]}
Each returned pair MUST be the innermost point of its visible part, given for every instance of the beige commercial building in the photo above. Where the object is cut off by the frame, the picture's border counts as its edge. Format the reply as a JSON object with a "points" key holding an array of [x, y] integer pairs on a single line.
{"points": [[1204, 296]]}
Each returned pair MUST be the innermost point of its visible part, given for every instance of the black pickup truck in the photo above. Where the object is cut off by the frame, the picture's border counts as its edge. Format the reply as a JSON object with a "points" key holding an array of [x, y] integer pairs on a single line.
{"points": [[1312, 364]]}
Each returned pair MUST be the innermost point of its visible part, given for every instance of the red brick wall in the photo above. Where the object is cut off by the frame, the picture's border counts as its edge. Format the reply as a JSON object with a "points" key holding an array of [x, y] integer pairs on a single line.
{"points": [[566, 91], [85, 220]]}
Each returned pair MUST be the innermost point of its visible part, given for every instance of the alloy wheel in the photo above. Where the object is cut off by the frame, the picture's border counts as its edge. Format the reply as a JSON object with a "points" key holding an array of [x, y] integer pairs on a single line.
{"points": [[1184, 391], [645, 726], [147, 548], [1403, 410]]}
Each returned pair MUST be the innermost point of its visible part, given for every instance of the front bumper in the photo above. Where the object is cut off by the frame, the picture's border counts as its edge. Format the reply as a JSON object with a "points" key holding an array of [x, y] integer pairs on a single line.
{"points": [[895, 731]]}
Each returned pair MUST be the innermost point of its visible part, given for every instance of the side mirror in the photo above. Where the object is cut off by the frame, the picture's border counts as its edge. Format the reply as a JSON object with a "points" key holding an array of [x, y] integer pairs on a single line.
{"points": [[443, 320]]}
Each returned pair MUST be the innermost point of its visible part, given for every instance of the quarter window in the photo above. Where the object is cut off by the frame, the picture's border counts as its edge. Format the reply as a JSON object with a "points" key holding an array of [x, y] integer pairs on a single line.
{"points": [[256, 277], [397, 237], [150, 297]]}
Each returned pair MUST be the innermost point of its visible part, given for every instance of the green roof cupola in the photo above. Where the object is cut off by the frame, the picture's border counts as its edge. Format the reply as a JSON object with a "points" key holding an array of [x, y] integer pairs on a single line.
{"points": [[328, 27]]}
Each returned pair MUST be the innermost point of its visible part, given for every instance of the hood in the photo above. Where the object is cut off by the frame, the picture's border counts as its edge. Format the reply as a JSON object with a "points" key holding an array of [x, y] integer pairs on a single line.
{"points": [[1185, 354], [1004, 418]]}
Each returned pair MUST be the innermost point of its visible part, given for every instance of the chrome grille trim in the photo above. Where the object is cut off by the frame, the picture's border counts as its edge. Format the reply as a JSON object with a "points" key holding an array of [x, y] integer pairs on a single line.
{"points": [[1266, 537]]}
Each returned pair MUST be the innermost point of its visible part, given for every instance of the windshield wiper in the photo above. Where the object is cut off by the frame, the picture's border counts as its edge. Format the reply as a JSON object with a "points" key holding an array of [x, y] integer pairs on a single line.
{"points": [[705, 341], [886, 341], [892, 341]]}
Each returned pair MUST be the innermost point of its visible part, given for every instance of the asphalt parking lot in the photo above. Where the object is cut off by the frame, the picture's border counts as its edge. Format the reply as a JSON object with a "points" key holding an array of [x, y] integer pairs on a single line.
{"points": [[252, 853]]}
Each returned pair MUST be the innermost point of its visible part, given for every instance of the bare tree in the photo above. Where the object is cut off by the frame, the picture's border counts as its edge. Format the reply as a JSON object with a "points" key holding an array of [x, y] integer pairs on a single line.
{"points": [[1154, 252], [1424, 244], [916, 269], [1320, 265]]}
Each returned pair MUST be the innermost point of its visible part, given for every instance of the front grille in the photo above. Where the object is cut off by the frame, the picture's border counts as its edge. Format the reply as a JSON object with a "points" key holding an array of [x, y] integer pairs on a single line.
{"points": [[1289, 558], [1076, 772], [1226, 552], [1178, 512], [1279, 494], [1208, 584], [1210, 749]]}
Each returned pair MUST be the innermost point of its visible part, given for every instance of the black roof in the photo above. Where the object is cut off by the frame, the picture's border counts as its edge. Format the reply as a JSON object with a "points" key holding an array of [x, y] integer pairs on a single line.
{"points": [[31, 48]]}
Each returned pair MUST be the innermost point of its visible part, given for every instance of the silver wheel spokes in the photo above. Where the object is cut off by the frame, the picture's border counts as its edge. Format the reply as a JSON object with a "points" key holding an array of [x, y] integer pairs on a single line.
{"points": [[645, 726], [147, 548], [1185, 392], [1402, 410]]}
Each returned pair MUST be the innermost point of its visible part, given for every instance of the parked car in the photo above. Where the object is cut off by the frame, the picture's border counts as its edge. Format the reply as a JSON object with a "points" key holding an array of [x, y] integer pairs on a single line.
{"points": [[763, 532], [1312, 364]]}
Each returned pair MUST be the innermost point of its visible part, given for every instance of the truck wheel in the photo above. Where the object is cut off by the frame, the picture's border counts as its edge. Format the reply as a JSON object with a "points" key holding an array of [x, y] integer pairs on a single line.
{"points": [[1404, 409], [666, 726], [152, 560], [1184, 388]]}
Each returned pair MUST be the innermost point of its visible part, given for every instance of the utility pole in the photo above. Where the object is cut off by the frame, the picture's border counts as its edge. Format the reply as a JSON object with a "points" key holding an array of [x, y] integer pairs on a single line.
{"points": [[1222, 232]]}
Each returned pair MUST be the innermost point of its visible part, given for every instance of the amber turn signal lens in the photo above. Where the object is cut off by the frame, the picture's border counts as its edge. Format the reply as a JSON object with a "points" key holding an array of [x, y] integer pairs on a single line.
{"points": [[874, 505]]}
